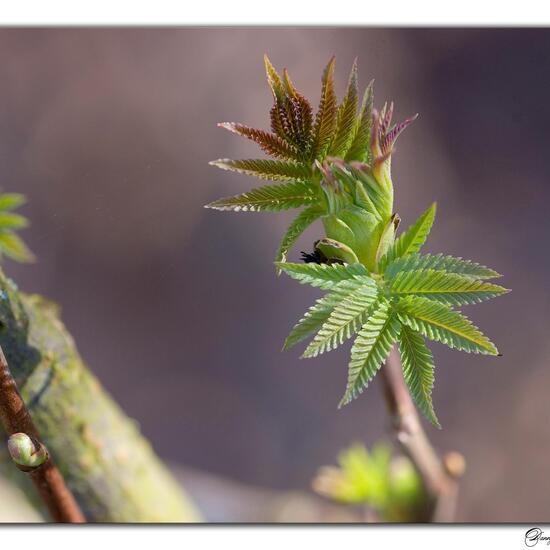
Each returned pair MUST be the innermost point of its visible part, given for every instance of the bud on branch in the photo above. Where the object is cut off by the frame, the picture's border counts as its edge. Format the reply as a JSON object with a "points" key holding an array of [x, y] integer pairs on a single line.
{"points": [[26, 452]]}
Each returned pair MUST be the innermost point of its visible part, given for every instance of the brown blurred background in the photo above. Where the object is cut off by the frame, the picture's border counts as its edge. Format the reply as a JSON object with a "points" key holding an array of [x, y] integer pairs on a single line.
{"points": [[177, 309]]}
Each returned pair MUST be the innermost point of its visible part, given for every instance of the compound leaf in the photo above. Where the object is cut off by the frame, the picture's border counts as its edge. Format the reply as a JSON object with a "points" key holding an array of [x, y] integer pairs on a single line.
{"points": [[439, 262], [345, 320], [325, 120], [13, 246], [411, 240], [272, 198], [440, 323], [370, 349], [270, 143], [346, 117], [274, 80], [418, 371], [9, 201], [448, 288], [275, 170], [360, 145], [317, 314], [9, 220], [323, 275]]}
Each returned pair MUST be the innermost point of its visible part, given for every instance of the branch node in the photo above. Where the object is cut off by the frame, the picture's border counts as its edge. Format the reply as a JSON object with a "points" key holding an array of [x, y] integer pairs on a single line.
{"points": [[455, 464], [438, 476]]}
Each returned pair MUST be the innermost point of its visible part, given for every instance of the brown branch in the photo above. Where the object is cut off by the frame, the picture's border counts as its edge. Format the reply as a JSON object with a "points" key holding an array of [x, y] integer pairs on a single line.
{"points": [[438, 477], [49, 482]]}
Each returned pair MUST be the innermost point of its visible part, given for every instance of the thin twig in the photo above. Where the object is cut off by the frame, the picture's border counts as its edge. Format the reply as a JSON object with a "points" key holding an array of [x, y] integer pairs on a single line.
{"points": [[439, 477], [49, 482]]}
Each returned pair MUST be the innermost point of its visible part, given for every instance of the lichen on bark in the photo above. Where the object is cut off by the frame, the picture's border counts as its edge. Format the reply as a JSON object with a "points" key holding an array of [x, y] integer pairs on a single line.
{"points": [[108, 465]]}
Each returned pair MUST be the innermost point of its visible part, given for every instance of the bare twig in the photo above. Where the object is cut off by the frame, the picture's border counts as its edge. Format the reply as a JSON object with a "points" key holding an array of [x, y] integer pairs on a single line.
{"points": [[439, 477], [48, 480]]}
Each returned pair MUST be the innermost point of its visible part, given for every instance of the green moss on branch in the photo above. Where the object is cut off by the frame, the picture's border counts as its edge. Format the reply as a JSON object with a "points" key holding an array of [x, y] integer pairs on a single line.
{"points": [[108, 465]]}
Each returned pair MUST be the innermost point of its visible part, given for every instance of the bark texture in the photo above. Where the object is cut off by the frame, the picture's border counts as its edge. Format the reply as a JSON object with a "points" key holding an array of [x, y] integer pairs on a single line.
{"points": [[111, 469]]}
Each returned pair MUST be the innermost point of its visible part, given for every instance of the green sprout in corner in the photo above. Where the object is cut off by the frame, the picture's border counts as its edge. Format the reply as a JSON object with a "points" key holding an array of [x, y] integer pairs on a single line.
{"points": [[337, 166], [11, 245], [390, 486]]}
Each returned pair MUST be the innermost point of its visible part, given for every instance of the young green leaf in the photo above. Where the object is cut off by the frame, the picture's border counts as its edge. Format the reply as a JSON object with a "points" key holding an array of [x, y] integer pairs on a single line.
{"points": [[345, 320], [335, 250], [325, 120], [360, 145], [304, 219], [410, 295], [272, 198], [324, 276], [440, 323], [317, 314], [380, 196], [269, 143], [418, 371], [13, 246], [9, 201], [370, 349], [300, 113], [348, 175], [9, 220], [346, 117], [439, 262], [413, 238], [274, 80], [448, 288], [275, 170]]}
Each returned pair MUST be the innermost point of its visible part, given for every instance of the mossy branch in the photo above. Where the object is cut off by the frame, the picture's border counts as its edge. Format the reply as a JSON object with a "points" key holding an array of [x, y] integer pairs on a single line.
{"points": [[30, 455], [109, 467]]}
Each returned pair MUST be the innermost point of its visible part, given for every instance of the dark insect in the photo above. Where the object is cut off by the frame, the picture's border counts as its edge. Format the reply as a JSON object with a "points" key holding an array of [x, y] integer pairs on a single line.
{"points": [[315, 257], [318, 257]]}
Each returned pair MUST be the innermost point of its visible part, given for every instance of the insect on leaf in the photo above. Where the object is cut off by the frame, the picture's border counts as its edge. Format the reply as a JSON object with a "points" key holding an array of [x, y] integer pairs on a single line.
{"points": [[304, 219]]}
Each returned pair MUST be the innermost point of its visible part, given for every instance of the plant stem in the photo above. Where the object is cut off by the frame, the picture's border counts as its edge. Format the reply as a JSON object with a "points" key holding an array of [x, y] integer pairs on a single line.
{"points": [[439, 477], [48, 480]]}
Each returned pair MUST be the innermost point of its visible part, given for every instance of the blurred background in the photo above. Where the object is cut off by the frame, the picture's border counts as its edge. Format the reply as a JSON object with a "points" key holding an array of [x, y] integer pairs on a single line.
{"points": [[177, 309]]}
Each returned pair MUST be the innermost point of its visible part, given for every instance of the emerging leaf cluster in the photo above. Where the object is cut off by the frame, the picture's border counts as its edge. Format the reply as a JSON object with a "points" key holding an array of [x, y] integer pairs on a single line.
{"points": [[389, 486], [11, 245], [411, 299], [380, 290], [301, 143]]}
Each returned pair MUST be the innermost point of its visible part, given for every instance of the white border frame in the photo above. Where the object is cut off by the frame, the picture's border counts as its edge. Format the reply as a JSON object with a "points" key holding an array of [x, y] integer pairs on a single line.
{"points": [[277, 12]]}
